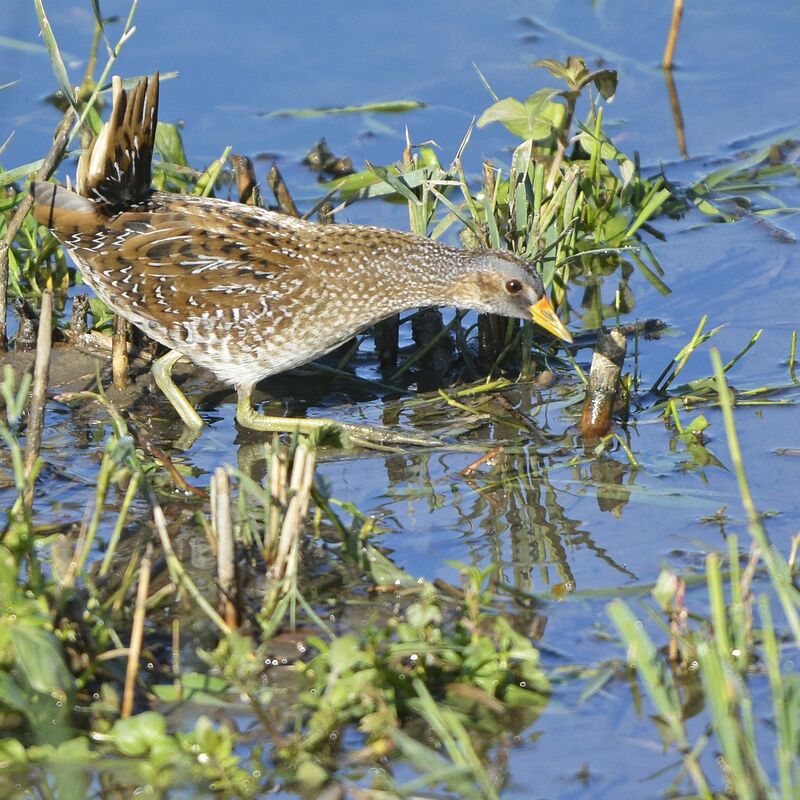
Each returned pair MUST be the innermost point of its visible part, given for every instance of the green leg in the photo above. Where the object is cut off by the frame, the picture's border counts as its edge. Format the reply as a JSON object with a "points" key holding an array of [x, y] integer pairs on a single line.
{"points": [[364, 435], [162, 372]]}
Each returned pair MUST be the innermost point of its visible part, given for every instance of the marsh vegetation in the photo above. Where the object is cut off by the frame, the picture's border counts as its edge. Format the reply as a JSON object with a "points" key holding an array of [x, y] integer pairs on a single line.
{"points": [[243, 614]]}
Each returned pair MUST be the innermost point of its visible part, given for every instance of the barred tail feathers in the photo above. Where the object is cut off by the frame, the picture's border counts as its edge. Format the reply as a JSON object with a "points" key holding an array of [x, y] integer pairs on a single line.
{"points": [[115, 169]]}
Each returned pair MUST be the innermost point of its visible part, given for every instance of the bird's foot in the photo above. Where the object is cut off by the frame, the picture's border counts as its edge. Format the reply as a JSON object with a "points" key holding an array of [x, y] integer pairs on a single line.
{"points": [[162, 372], [349, 434]]}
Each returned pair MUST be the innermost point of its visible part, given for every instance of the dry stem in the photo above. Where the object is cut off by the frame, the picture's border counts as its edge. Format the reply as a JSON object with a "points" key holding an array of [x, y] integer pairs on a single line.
{"points": [[41, 372], [137, 633]]}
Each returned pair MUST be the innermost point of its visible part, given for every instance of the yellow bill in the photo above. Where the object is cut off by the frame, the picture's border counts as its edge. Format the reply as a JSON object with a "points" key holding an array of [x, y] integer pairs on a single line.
{"points": [[545, 317]]}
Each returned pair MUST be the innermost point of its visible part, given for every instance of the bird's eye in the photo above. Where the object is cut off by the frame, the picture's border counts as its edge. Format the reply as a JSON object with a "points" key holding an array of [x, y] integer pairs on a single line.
{"points": [[514, 287]]}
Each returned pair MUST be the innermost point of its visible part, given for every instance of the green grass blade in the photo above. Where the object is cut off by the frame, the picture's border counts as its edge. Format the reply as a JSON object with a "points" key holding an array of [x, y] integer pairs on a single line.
{"points": [[785, 692], [386, 107], [56, 61], [643, 655], [649, 209], [716, 592], [397, 182], [776, 565], [19, 44], [716, 691]]}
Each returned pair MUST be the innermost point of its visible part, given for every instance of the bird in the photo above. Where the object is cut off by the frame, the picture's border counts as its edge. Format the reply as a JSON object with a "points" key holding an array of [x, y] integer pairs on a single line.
{"points": [[247, 292]]}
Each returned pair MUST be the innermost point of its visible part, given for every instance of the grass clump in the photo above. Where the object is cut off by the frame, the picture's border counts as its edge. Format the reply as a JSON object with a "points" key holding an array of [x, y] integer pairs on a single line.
{"points": [[578, 214], [730, 651], [443, 670]]}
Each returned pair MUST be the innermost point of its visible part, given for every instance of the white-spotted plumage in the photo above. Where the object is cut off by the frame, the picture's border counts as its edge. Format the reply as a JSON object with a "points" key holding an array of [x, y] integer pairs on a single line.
{"points": [[244, 291]]}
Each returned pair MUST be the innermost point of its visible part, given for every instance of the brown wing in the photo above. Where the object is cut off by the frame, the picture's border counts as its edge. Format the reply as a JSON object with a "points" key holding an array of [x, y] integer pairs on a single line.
{"points": [[180, 261]]}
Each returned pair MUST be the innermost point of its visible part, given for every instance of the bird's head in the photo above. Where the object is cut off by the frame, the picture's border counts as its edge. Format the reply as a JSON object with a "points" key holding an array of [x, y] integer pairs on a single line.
{"points": [[498, 282]]}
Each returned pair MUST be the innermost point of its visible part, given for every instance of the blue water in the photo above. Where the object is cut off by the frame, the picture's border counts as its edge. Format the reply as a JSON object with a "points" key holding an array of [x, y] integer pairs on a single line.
{"points": [[553, 525]]}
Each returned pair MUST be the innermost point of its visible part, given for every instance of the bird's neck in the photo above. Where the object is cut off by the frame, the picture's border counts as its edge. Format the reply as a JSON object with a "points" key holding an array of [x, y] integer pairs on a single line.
{"points": [[402, 270]]}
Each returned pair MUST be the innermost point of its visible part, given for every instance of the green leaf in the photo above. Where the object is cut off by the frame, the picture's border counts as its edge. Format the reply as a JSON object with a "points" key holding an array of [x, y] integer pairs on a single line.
{"points": [[627, 169], [534, 119], [605, 81], [519, 697], [311, 774], [355, 182], [654, 280], [12, 694], [697, 425], [704, 206], [12, 752], [651, 206], [427, 157], [19, 173], [590, 144], [424, 758], [98, 18], [136, 735], [575, 74], [387, 107], [384, 571], [214, 742], [199, 687], [205, 183], [170, 144], [397, 182], [9, 569], [370, 184], [576, 71], [101, 313], [555, 68], [40, 659], [344, 653], [71, 752]]}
